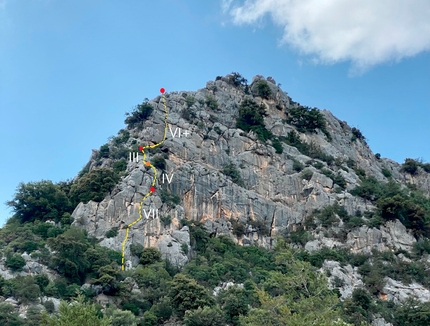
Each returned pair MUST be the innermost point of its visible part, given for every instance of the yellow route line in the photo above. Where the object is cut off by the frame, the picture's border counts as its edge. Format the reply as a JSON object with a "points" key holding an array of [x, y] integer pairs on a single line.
{"points": [[154, 180]]}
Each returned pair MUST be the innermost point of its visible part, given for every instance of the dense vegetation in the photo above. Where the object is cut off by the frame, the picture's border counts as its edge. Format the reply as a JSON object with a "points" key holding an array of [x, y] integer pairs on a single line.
{"points": [[306, 119], [139, 114]]}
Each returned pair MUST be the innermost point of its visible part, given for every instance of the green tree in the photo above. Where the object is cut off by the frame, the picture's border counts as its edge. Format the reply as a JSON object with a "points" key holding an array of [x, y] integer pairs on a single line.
{"points": [[94, 185], [186, 294], [121, 317], [251, 117], [263, 89], [140, 113], [41, 200], [410, 166], [149, 256], [9, 316], [15, 262], [306, 119], [78, 313], [70, 259], [204, 317]]}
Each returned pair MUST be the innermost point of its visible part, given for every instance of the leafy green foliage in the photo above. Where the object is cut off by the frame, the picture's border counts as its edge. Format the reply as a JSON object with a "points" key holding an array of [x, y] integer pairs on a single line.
{"points": [[170, 199], [149, 256], [312, 150], [166, 220], [297, 166], [237, 80], [211, 102], [103, 152], [306, 119], [113, 232], [231, 171], [79, 313], [15, 262], [41, 201], [328, 215], [140, 113], [386, 173], [277, 145], [356, 134], [205, 316], [263, 89], [410, 166], [307, 174], [159, 162], [190, 100], [251, 117], [120, 166], [94, 185], [186, 294]]}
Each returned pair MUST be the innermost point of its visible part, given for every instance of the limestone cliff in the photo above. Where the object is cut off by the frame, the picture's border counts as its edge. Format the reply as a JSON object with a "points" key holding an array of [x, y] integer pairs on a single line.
{"points": [[274, 197]]}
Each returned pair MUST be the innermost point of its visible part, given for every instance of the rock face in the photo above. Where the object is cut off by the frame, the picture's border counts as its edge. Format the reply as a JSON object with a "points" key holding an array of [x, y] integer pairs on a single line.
{"points": [[392, 236], [347, 276], [398, 292], [274, 195]]}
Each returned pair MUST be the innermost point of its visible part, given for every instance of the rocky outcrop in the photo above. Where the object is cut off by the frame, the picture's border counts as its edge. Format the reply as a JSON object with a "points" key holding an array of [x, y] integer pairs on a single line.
{"points": [[398, 292], [392, 236], [345, 278]]}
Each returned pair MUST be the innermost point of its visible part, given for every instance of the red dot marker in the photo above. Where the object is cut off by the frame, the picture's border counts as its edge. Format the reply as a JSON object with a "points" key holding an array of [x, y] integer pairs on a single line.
{"points": [[162, 90], [140, 148], [152, 189]]}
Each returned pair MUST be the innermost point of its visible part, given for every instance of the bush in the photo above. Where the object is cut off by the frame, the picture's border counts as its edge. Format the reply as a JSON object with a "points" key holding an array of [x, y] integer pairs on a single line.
{"points": [[41, 201], [410, 166], [306, 119], [49, 306], [205, 316], [103, 152], [170, 199], [15, 262], [340, 181], [166, 220], [231, 171], [149, 256], [238, 228], [113, 232], [386, 173], [356, 134], [277, 146], [139, 114], [119, 166], [211, 102], [307, 174], [263, 89], [237, 80], [159, 162], [378, 156], [94, 185], [251, 117], [190, 100], [188, 114], [297, 166]]}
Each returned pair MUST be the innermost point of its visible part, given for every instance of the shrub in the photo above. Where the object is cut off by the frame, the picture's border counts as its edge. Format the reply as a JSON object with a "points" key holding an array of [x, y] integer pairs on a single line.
{"points": [[184, 248], [113, 232], [307, 174], [140, 113], [190, 100], [277, 146], [237, 80], [306, 119], [318, 165], [327, 216], [297, 166], [238, 228], [211, 102], [119, 166], [15, 262], [410, 166], [166, 220], [340, 181], [170, 199], [188, 114], [94, 185], [356, 134], [263, 89], [136, 249], [260, 227], [122, 138], [103, 152], [300, 236], [159, 162], [41, 201], [251, 117], [149, 256], [231, 171], [49, 306], [386, 173], [204, 316], [378, 156]]}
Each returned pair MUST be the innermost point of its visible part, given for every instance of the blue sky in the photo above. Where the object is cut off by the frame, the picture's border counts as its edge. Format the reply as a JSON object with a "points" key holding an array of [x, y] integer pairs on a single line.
{"points": [[70, 69]]}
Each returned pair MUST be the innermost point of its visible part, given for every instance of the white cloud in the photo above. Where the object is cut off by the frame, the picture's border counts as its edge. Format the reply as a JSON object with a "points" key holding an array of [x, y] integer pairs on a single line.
{"points": [[365, 32]]}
